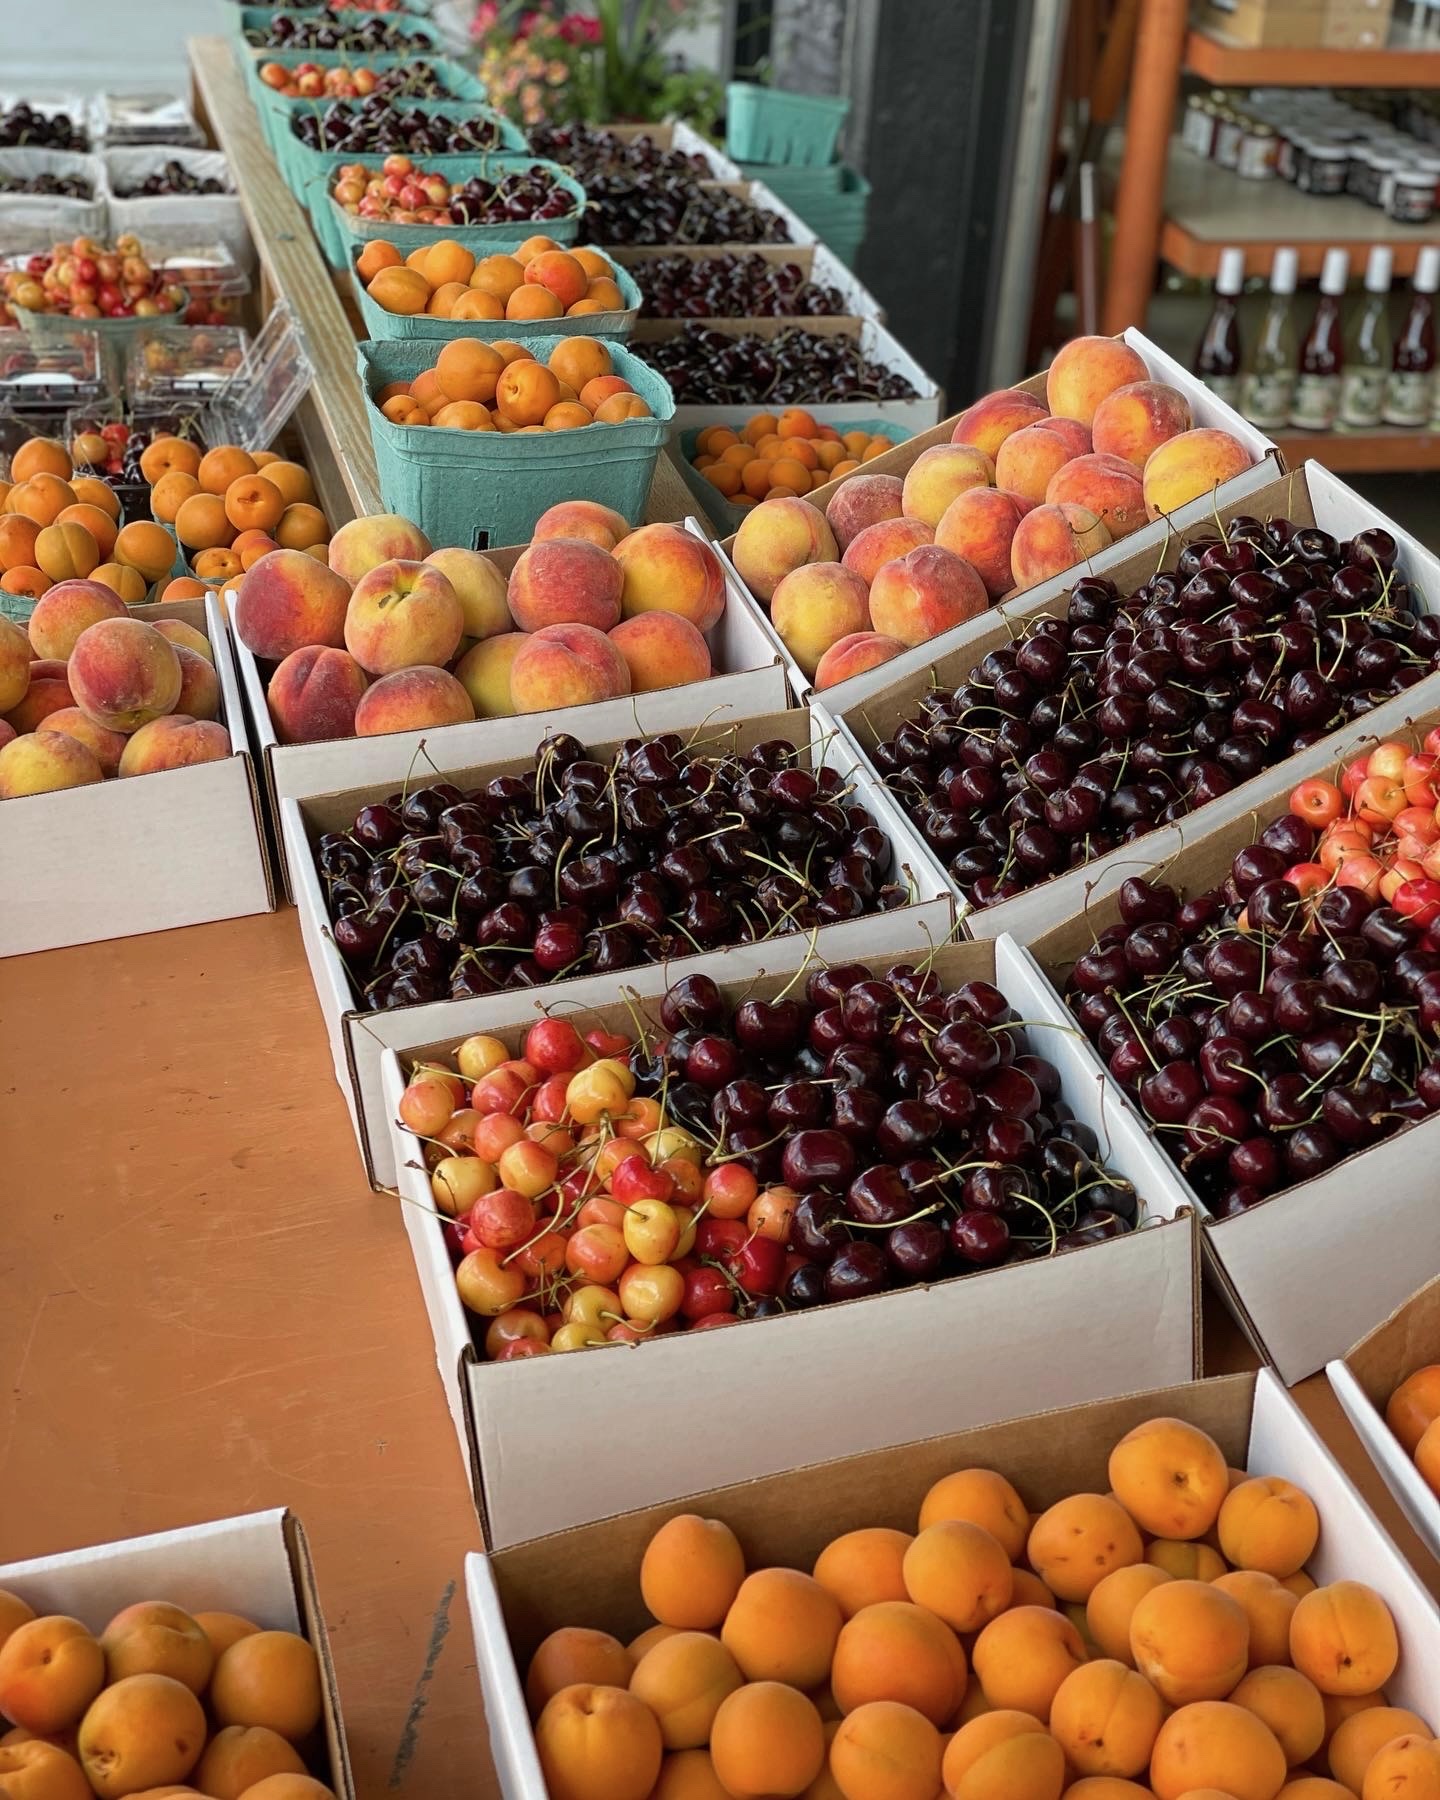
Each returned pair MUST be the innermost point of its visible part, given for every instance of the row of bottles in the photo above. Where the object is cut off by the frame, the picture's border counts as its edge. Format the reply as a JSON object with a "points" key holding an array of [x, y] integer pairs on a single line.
{"points": [[1344, 374]]}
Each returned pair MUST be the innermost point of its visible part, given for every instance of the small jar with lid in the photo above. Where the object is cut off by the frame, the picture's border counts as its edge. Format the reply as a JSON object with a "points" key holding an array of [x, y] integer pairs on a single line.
{"points": [[1384, 167], [1198, 132], [1228, 132], [1410, 196], [1259, 152], [1321, 168]]}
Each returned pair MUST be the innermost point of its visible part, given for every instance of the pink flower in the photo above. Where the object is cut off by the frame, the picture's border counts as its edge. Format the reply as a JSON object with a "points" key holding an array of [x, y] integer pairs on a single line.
{"points": [[576, 28], [487, 14], [528, 22]]}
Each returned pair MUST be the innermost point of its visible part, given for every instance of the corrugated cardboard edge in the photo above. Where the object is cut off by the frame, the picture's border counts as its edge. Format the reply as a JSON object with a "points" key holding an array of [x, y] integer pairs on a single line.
{"points": [[308, 1597]]}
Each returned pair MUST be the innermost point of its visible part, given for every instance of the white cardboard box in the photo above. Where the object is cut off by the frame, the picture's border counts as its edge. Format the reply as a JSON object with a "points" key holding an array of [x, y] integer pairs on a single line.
{"points": [[358, 1038], [589, 1576], [257, 1565], [182, 847], [1364, 1381], [1309, 1270], [1310, 493], [1149, 541], [749, 679], [853, 1380]]}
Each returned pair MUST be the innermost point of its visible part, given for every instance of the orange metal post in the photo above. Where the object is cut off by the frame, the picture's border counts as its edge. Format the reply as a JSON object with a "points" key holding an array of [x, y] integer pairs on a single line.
{"points": [[1140, 199]]}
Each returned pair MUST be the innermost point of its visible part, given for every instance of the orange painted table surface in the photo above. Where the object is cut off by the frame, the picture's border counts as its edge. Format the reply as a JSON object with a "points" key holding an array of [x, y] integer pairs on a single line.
{"points": [[206, 1312]]}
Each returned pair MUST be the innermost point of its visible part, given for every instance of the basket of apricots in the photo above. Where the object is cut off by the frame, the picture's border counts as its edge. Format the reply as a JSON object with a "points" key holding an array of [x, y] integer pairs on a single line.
{"points": [[1152, 1642], [588, 420], [537, 288], [57, 526], [228, 507], [774, 456], [161, 1701]]}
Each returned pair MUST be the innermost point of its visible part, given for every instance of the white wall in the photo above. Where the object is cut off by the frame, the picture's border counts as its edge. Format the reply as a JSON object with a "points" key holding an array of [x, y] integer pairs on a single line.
{"points": [[81, 46]]}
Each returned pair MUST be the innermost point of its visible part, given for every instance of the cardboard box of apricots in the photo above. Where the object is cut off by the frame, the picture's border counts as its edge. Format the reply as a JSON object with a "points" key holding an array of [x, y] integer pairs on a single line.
{"points": [[1207, 413], [1366, 1377], [589, 1576], [147, 853], [748, 679], [358, 1038], [1312, 496], [854, 1379], [256, 1566], [1310, 1269]]}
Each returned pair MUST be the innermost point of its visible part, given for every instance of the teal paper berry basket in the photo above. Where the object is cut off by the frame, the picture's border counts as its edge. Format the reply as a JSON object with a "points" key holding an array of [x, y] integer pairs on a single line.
{"points": [[769, 125], [477, 489], [277, 110], [723, 512], [260, 18], [385, 326]]}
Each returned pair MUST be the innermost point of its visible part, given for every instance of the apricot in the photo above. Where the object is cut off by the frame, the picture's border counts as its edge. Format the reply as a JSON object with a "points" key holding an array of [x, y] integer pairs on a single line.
{"points": [[141, 1732], [863, 1568], [269, 1678], [222, 465], [1343, 1637], [894, 1650], [1407, 1768], [1410, 1411], [13, 1610], [125, 583], [1190, 1640], [147, 548], [767, 1743], [1003, 1755], [598, 1743], [238, 1756], [1215, 1744], [224, 1629], [1022, 1657], [41, 456], [959, 1571], [1268, 1607], [18, 537], [1077, 1542], [525, 392], [574, 1655], [1189, 466], [1105, 1787], [35, 1770], [154, 1638], [1030, 1590], [886, 1751], [980, 1497], [302, 527], [1185, 1559], [1106, 1717], [782, 1626], [683, 1681], [534, 302], [99, 525], [1314, 1787], [691, 1572], [1358, 1739], [1270, 1525], [89, 490], [51, 1668], [376, 255], [1290, 1705], [170, 493], [66, 552], [169, 455]]}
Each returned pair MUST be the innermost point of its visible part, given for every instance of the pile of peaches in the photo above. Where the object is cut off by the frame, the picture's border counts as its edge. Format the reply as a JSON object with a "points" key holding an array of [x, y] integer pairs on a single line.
{"points": [[160, 1698], [503, 387], [1159, 1640], [389, 635], [777, 456], [537, 280], [1025, 490], [228, 507], [1413, 1414], [87, 693]]}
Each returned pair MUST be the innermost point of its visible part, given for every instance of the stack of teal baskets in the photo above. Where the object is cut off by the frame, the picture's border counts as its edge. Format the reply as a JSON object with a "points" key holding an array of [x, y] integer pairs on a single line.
{"points": [[788, 142]]}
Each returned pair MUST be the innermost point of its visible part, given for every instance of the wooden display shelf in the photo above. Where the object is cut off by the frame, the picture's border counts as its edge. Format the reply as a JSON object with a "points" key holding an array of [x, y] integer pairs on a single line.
{"points": [[1239, 65], [1386, 451], [1208, 208], [331, 419]]}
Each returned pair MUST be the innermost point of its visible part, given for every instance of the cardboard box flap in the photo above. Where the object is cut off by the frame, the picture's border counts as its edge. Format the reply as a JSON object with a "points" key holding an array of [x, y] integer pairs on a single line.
{"points": [[1406, 1341]]}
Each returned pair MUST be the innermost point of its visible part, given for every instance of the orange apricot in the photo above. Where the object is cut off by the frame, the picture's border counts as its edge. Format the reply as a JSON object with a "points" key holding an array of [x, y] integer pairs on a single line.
{"points": [[1170, 1477], [1427, 1456], [1356, 1740], [51, 1668], [269, 1678], [1270, 1525], [1268, 1607], [222, 465], [41, 456], [1186, 1559], [767, 1741], [302, 527], [862, 1568], [89, 490], [155, 1638], [141, 1732], [1003, 1755], [1407, 1768], [1106, 1717], [1343, 1637], [568, 415], [577, 360], [620, 407], [1314, 1787], [533, 302], [13, 1613], [894, 1650], [33, 1769], [498, 276], [377, 255], [1414, 1406], [1289, 1704], [649, 1638], [959, 1571], [1029, 1590], [1021, 1658], [1077, 1542], [240, 1755], [525, 392], [254, 503], [468, 370], [691, 1572], [782, 1626], [683, 1681], [223, 1629], [448, 261], [1190, 1640], [1105, 1787], [886, 1751], [1112, 1604], [598, 1743], [99, 524], [571, 1655], [1213, 1744], [981, 1497]]}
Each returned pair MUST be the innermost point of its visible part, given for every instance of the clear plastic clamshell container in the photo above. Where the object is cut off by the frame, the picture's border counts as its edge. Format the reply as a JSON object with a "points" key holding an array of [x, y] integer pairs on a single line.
{"points": [[205, 271], [146, 118], [167, 363], [61, 371], [255, 404]]}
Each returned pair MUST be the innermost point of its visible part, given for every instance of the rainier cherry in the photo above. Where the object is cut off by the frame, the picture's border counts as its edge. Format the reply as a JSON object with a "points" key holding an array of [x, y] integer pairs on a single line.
{"points": [[651, 1231], [426, 1107], [478, 1055], [487, 1285], [589, 1305], [1318, 803]]}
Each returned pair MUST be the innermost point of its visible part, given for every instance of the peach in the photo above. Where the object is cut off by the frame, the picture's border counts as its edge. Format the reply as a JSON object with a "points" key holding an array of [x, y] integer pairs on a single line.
{"points": [[937, 475], [980, 525], [15, 656], [927, 592], [123, 673], [586, 519], [479, 587], [1052, 539], [402, 614], [1189, 466], [996, 417], [565, 581], [106, 746], [777, 536], [199, 685], [313, 695], [668, 569], [1030, 459], [44, 762], [174, 742], [662, 650], [1086, 371], [484, 673], [46, 694], [1138, 418], [63, 611], [566, 665], [286, 601], [8, 733], [365, 543], [1107, 485], [854, 655], [412, 700], [815, 606], [863, 500], [885, 541]]}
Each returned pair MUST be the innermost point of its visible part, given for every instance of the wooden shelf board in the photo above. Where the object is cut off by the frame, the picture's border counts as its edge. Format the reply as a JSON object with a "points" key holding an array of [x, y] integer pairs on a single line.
{"points": [[1238, 65], [1208, 208], [1388, 451]]}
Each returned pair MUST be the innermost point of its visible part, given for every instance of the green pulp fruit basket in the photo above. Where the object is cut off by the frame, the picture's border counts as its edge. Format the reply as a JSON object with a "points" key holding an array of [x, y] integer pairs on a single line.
{"points": [[277, 110], [722, 512], [260, 18], [769, 125], [477, 489], [833, 202], [385, 326]]}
